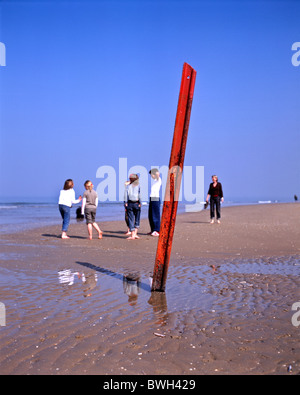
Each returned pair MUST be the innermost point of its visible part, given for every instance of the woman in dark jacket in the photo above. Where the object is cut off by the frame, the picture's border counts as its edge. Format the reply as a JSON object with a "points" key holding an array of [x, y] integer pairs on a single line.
{"points": [[215, 194]]}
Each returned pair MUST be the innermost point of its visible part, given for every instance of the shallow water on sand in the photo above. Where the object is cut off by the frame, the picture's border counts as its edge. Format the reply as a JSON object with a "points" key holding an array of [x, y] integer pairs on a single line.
{"points": [[89, 290], [49, 313]]}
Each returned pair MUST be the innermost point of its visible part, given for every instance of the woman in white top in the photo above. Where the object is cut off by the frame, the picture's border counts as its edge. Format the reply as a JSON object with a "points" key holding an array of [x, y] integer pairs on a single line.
{"points": [[66, 199], [154, 203]]}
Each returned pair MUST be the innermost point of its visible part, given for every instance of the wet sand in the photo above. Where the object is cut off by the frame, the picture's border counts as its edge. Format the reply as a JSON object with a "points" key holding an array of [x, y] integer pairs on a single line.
{"points": [[85, 307]]}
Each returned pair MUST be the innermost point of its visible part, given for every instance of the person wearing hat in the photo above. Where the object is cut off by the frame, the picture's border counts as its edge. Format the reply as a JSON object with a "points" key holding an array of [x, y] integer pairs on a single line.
{"points": [[132, 202], [154, 203]]}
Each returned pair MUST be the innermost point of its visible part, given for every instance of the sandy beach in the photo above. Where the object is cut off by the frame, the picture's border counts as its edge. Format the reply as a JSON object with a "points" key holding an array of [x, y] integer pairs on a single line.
{"points": [[85, 307]]}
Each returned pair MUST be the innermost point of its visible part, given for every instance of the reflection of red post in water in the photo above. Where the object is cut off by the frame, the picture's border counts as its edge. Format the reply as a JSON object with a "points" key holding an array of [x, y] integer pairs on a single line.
{"points": [[174, 179]]}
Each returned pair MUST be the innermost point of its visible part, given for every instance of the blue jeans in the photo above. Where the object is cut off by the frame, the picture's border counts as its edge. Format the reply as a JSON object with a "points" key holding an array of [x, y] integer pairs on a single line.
{"points": [[134, 215], [65, 212], [154, 215], [215, 202]]}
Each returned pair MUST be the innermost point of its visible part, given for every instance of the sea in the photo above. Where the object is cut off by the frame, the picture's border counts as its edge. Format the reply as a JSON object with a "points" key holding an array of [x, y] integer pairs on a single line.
{"points": [[20, 216]]}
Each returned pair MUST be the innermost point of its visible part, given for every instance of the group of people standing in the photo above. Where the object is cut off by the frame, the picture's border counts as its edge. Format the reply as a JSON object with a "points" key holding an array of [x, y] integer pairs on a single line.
{"points": [[132, 204]]}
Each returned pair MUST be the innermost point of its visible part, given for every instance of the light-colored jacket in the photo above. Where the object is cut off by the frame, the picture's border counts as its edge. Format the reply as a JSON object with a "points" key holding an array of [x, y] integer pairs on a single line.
{"points": [[133, 193]]}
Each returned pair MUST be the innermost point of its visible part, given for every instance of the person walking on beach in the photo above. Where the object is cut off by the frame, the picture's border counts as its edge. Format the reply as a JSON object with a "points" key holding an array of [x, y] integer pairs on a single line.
{"points": [[132, 202], [215, 195], [65, 202], [89, 209], [154, 203]]}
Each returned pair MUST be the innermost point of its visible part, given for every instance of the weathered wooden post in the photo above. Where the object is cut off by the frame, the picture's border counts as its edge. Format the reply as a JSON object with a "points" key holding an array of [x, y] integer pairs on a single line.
{"points": [[174, 178]]}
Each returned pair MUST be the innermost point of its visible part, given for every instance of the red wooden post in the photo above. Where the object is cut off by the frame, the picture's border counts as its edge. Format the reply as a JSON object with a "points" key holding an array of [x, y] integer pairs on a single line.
{"points": [[169, 213]]}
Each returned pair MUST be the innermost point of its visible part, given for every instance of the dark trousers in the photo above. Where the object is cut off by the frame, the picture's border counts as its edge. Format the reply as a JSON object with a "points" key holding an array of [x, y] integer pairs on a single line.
{"points": [[134, 215], [215, 203], [154, 215]]}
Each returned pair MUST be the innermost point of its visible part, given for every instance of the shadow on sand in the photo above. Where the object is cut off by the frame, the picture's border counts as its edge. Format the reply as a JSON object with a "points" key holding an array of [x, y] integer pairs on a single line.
{"points": [[118, 276]]}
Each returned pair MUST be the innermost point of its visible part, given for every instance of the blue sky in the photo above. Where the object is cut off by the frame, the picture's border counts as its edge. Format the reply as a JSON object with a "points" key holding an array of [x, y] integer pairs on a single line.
{"points": [[89, 82]]}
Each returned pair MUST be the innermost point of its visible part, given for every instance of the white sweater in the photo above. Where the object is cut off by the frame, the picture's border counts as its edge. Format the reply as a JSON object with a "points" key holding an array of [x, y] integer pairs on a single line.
{"points": [[67, 198], [155, 188]]}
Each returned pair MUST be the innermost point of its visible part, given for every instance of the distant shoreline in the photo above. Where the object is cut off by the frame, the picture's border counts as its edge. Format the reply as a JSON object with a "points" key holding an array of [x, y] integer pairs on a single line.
{"points": [[19, 217], [237, 221]]}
